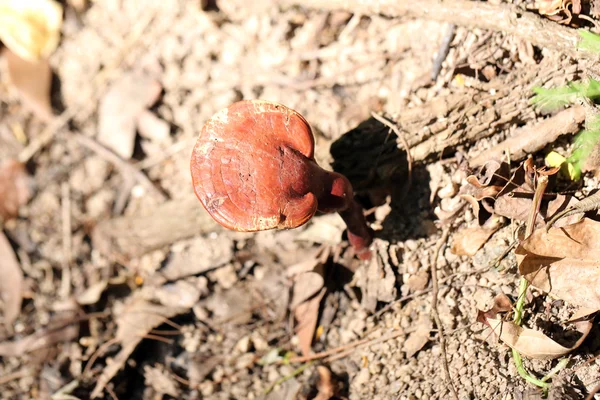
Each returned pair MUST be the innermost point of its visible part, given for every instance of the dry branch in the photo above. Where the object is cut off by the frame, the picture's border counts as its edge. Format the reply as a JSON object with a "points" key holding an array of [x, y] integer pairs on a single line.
{"points": [[128, 237], [473, 14], [530, 139]]}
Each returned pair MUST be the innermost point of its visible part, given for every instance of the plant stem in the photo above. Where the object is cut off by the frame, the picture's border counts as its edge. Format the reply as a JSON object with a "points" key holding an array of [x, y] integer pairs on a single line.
{"points": [[523, 284], [524, 374]]}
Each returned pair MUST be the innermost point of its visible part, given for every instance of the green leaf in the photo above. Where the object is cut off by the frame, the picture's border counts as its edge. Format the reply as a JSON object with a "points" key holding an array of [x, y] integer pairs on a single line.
{"points": [[583, 145], [552, 99], [589, 41]]}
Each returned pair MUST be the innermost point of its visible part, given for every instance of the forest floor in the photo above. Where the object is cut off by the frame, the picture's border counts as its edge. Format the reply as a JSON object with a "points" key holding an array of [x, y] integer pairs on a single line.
{"points": [[129, 291]]}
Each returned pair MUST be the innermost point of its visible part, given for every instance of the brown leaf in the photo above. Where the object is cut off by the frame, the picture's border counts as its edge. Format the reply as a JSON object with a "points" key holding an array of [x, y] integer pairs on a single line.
{"points": [[306, 285], [11, 283], [565, 262], [418, 338], [137, 319], [325, 385], [532, 343], [307, 315], [517, 205], [120, 108], [33, 81], [469, 240], [14, 188], [502, 304]]}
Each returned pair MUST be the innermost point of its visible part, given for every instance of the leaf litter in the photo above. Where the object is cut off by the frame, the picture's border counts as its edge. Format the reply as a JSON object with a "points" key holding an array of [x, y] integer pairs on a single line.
{"points": [[561, 262]]}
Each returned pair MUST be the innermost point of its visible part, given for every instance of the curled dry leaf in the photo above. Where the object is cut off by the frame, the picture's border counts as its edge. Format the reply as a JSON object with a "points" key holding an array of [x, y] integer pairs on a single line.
{"points": [[564, 262], [532, 343], [30, 28], [501, 304], [33, 82], [11, 283], [15, 189], [469, 240]]}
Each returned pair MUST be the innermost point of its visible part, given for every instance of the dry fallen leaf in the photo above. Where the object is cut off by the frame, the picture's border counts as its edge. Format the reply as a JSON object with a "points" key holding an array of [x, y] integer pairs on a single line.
{"points": [[565, 262], [532, 343], [306, 285], [14, 188], [418, 338], [137, 319], [469, 240], [325, 385], [11, 283], [501, 304], [33, 82], [120, 108], [30, 28], [306, 315], [517, 205]]}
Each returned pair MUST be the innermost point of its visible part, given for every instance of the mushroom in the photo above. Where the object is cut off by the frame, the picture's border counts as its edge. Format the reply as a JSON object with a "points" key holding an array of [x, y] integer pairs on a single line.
{"points": [[253, 169]]}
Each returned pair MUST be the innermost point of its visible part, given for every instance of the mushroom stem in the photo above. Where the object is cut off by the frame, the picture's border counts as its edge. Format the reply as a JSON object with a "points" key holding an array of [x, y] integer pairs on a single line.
{"points": [[335, 194]]}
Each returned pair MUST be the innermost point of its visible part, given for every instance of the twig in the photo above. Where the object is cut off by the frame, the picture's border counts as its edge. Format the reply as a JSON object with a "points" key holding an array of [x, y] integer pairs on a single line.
{"points": [[125, 167], [400, 134], [590, 203], [434, 310], [442, 52], [339, 349], [529, 139], [294, 373], [371, 342], [400, 300], [503, 17], [65, 289], [23, 372], [594, 391]]}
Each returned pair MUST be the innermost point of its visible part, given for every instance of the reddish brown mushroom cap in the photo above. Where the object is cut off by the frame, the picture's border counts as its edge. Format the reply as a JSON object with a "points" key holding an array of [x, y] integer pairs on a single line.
{"points": [[249, 167]]}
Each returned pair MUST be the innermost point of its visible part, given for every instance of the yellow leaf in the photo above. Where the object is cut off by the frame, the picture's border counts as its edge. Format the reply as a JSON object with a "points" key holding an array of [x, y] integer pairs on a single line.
{"points": [[31, 28], [553, 159]]}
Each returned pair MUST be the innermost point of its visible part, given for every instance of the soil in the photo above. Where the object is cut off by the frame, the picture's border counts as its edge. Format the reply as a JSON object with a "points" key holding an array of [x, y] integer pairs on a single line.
{"points": [[208, 316]]}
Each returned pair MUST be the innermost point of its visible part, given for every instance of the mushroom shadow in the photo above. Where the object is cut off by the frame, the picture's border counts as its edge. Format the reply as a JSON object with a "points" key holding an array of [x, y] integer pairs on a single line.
{"points": [[374, 161]]}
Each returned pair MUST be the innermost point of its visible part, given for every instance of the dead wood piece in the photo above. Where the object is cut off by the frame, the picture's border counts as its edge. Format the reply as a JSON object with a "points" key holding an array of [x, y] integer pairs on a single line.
{"points": [[473, 14], [465, 116], [530, 139], [127, 237]]}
